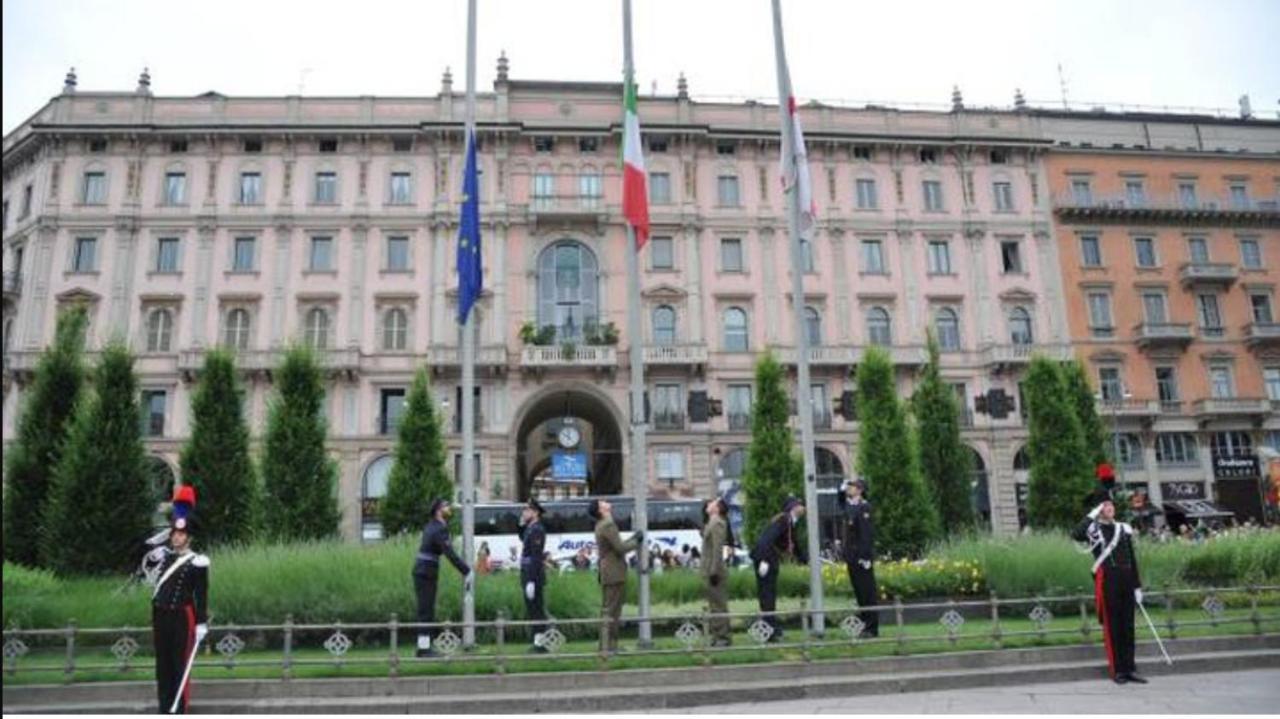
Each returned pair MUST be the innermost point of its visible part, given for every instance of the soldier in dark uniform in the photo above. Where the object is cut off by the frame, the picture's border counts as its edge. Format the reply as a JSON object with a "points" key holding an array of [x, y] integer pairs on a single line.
{"points": [[716, 535], [777, 539], [1117, 587], [612, 568], [426, 571], [533, 537], [859, 552], [179, 615]]}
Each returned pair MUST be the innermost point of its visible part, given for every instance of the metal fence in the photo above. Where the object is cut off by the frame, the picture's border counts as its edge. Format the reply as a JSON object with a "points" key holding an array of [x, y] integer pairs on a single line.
{"points": [[290, 646]]}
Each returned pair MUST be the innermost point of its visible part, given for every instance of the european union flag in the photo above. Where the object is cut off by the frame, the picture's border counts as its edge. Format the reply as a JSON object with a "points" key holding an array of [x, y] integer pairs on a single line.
{"points": [[470, 273]]}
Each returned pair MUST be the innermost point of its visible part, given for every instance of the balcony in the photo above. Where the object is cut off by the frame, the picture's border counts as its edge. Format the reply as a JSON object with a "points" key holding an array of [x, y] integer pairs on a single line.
{"points": [[553, 356], [1253, 408], [441, 358], [1262, 335], [1168, 209], [1204, 274], [822, 356], [668, 421], [1143, 409], [549, 212], [739, 422], [1011, 355], [1162, 335], [265, 362], [12, 284], [676, 355]]}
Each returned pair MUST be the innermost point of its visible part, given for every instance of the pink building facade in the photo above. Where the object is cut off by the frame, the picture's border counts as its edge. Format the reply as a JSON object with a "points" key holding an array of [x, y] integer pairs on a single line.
{"points": [[187, 223]]}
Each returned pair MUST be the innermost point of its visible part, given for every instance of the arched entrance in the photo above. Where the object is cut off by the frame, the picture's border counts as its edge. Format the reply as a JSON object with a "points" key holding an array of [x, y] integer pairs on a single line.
{"points": [[568, 443], [979, 493]]}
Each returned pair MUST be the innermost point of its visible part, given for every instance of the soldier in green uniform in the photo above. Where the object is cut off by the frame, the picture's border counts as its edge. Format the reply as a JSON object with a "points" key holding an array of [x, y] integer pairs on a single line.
{"points": [[715, 537], [612, 566]]}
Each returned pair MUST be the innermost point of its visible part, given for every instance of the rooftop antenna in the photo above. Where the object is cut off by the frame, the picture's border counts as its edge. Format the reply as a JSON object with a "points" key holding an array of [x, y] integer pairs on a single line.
{"points": [[1062, 83], [653, 88]]}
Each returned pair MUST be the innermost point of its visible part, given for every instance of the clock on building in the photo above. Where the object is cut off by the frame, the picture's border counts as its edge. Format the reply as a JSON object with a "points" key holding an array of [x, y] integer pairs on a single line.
{"points": [[569, 437]]}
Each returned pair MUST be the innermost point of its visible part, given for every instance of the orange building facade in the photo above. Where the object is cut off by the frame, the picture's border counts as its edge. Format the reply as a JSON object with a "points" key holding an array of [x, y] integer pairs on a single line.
{"points": [[1171, 264]]}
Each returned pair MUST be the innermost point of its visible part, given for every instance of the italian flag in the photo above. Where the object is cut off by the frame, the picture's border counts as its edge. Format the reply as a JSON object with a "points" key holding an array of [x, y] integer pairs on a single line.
{"points": [[635, 192]]}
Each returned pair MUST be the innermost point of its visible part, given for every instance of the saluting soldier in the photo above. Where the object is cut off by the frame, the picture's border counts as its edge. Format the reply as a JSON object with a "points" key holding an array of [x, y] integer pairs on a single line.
{"points": [[778, 539], [612, 567], [533, 538], [426, 571], [1117, 587], [859, 552], [179, 615], [715, 537]]}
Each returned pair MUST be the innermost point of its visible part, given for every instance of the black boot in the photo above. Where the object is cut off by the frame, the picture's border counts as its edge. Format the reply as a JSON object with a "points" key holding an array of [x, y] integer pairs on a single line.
{"points": [[1135, 678]]}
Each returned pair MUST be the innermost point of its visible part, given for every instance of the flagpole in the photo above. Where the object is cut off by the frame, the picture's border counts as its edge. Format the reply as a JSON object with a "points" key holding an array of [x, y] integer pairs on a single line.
{"points": [[469, 378], [804, 395], [639, 454]]}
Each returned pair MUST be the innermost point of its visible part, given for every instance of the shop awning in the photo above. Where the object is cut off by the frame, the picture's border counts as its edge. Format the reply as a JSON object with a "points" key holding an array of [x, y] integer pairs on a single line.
{"points": [[1196, 509]]}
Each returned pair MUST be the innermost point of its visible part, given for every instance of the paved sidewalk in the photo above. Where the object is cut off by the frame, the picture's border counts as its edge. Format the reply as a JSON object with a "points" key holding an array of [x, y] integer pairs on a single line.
{"points": [[1250, 692]]}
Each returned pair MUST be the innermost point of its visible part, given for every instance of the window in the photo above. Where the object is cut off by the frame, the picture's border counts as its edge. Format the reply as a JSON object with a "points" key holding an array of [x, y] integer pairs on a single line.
{"points": [[1090, 251], [1100, 314], [861, 152], [321, 254], [1129, 449], [85, 258], [544, 190], [177, 147], [328, 146], [97, 147], [589, 188], [726, 147], [159, 330], [317, 328], [1011, 256], [400, 192], [1199, 250], [929, 156], [326, 188], [1271, 378], [1135, 193], [568, 289], [1261, 306], [727, 190], [390, 410], [1187, 194], [658, 144], [664, 325], [588, 144], [242, 257], [1239, 197], [813, 326], [1003, 192], [1110, 385], [667, 403], [999, 157], [819, 407], [1221, 385], [1272, 439], [660, 188], [167, 254], [1082, 192], [402, 144], [879, 329], [26, 201], [1231, 444], [1020, 326], [175, 188], [932, 195], [1167, 384], [153, 401], [735, 330], [1176, 448], [662, 253], [866, 189], [1210, 317], [395, 329], [250, 188], [670, 466], [947, 327], [544, 143], [873, 257], [806, 255], [236, 332], [739, 406], [1250, 254], [1155, 307], [95, 188], [253, 146], [1145, 250], [397, 254], [939, 257], [731, 255]]}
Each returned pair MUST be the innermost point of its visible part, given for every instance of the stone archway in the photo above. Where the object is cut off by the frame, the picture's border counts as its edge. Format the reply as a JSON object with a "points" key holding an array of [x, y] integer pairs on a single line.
{"points": [[598, 422]]}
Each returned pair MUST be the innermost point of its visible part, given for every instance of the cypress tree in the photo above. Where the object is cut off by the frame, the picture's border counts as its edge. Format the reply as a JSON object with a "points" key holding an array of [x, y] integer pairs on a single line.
{"points": [[945, 461], [1098, 445], [215, 460], [774, 468], [300, 479], [102, 498], [30, 460], [1060, 465], [906, 518], [419, 473]]}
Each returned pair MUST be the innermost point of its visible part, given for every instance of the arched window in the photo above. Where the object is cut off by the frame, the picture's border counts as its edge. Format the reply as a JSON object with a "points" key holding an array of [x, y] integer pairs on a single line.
{"points": [[1130, 449], [879, 329], [159, 330], [829, 468], [1020, 327], [664, 325], [568, 289], [317, 333], [813, 326], [947, 327], [735, 330], [373, 489], [1022, 461], [162, 479], [395, 329], [979, 490], [237, 329]]}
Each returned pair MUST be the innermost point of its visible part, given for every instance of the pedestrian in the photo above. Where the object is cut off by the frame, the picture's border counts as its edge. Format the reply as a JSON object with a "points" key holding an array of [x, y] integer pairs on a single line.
{"points": [[426, 571], [612, 568], [1117, 587], [777, 540], [533, 577], [179, 615], [715, 537], [859, 553], [483, 564]]}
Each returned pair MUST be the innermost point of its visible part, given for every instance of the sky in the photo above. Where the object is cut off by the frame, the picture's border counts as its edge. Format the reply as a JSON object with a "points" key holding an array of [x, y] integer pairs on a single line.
{"points": [[1183, 53]]}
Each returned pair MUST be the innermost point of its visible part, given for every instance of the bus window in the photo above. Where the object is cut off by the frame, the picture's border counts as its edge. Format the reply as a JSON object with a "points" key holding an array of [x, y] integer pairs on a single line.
{"points": [[499, 519]]}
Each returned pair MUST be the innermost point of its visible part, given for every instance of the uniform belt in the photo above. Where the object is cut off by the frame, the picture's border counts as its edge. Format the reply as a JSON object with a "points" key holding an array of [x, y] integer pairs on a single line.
{"points": [[424, 557]]}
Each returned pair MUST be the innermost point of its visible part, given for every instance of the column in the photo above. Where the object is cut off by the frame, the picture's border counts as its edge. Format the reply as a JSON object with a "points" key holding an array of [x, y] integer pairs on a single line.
{"points": [[1055, 310], [985, 312], [37, 285], [280, 285], [126, 231], [913, 319], [693, 282], [203, 277], [772, 287], [839, 268], [496, 329], [438, 264], [355, 292]]}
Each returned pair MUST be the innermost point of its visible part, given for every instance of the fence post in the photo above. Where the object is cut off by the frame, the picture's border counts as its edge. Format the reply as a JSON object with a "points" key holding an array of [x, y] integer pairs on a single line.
{"points": [[901, 646], [706, 639], [500, 629], [1253, 609], [804, 630], [1170, 621], [70, 671], [1084, 620], [287, 661], [995, 622], [393, 641]]}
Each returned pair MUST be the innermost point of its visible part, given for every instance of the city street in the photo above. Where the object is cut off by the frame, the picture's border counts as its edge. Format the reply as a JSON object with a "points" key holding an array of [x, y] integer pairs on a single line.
{"points": [[1251, 692]]}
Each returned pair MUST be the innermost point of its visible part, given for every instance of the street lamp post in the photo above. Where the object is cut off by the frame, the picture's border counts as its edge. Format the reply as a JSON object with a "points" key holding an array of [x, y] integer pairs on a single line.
{"points": [[1125, 395]]}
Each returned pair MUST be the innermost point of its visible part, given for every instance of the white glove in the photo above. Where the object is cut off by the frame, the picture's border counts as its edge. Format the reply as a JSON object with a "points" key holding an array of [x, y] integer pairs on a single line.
{"points": [[529, 590], [202, 630], [1093, 514], [763, 569], [1137, 595], [864, 563], [469, 581]]}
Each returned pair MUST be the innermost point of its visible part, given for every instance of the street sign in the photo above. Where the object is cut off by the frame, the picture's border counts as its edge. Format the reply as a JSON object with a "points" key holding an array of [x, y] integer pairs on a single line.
{"points": [[569, 465]]}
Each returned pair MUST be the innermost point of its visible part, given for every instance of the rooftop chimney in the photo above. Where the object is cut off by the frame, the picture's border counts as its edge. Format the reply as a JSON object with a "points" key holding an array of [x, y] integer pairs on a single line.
{"points": [[957, 100]]}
